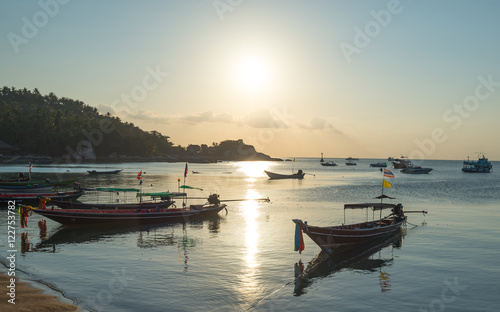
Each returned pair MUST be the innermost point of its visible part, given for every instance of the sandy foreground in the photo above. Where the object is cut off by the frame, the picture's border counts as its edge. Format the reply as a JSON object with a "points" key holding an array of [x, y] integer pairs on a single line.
{"points": [[29, 298]]}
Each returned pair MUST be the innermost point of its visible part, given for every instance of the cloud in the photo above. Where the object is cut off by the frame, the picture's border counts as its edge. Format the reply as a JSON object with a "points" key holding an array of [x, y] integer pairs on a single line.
{"points": [[319, 124], [207, 117], [262, 118], [265, 118], [104, 109]]}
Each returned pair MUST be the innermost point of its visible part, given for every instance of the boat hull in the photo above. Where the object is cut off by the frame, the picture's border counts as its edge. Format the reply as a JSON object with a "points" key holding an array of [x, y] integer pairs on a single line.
{"points": [[104, 172], [273, 175], [416, 170], [342, 238], [71, 217], [78, 205], [33, 198]]}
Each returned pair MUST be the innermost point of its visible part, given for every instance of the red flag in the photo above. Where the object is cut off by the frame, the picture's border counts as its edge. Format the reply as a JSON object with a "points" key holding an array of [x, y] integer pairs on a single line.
{"points": [[139, 175]]}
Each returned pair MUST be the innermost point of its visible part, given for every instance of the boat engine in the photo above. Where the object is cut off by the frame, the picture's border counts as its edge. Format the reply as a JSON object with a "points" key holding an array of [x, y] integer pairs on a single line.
{"points": [[214, 199], [398, 211]]}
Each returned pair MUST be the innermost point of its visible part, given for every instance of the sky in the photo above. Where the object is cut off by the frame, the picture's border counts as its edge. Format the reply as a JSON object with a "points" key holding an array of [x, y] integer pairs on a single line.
{"points": [[367, 79]]}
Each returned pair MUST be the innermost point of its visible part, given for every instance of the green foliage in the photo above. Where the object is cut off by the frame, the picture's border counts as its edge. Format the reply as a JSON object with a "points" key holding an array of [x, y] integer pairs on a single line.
{"points": [[53, 126]]}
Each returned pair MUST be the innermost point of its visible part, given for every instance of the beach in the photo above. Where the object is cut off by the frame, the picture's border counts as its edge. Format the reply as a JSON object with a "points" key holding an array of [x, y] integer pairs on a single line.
{"points": [[29, 298]]}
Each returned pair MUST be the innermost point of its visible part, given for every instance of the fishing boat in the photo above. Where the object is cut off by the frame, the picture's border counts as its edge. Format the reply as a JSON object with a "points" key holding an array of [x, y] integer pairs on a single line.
{"points": [[299, 175], [33, 198], [379, 165], [158, 200], [481, 165], [105, 172], [329, 164], [341, 238], [351, 158], [344, 237], [127, 216], [351, 163], [30, 188], [29, 181], [402, 163], [416, 170]]}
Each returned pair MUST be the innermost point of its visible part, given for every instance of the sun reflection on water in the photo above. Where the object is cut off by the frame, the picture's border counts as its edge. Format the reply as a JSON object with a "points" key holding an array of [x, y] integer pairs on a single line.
{"points": [[253, 169], [250, 270]]}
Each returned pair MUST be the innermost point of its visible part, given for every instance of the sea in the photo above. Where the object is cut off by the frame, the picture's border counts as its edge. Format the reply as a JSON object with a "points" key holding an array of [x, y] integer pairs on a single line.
{"points": [[244, 259]]}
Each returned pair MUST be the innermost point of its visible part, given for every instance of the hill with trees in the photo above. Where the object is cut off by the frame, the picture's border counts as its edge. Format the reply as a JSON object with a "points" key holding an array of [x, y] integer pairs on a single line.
{"points": [[64, 128]]}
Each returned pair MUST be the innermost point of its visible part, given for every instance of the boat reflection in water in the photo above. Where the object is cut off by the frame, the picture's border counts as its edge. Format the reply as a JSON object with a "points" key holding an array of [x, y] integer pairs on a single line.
{"points": [[365, 258], [148, 236]]}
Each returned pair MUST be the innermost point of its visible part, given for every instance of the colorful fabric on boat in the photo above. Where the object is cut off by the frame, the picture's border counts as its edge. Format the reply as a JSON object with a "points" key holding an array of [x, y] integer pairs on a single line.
{"points": [[388, 174], [23, 215], [31, 166], [139, 175], [387, 184], [299, 239]]}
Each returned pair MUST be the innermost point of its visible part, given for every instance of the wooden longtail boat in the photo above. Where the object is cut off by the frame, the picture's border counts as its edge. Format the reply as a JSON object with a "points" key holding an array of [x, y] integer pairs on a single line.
{"points": [[33, 198], [164, 202], [299, 175], [104, 172], [340, 238], [139, 215]]}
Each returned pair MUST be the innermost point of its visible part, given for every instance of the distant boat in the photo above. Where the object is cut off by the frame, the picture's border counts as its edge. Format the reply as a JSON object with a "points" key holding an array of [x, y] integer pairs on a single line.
{"points": [[416, 170], [351, 163], [104, 172], [402, 163], [329, 163], [299, 175], [321, 160], [350, 158], [379, 165], [482, 165]]}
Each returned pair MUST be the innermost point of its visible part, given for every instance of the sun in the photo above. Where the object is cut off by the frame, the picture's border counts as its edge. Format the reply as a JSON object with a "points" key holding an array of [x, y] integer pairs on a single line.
{"points": [[253, 73]]}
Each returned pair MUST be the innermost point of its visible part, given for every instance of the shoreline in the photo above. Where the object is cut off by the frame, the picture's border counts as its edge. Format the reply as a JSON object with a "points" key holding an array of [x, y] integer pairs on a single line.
{"points": [[30, 298]]}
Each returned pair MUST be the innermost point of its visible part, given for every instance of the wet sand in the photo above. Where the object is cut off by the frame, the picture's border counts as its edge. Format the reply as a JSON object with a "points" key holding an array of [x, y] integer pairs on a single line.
{"points": [[29, 298]]}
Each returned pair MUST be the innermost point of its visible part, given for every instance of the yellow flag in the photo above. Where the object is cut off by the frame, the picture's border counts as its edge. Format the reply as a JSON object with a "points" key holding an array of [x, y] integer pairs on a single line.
{"points": [[294, 159], [387, 184]]}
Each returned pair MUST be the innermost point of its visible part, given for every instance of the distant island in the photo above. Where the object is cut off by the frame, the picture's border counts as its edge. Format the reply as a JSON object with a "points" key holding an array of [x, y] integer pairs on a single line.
{"points": [[46, 129]]}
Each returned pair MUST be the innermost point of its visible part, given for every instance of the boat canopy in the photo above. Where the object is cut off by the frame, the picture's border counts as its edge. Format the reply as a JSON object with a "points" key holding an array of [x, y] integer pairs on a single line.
{"points": [[107, 189], [161, 194], [374, 206], [384, 196]]}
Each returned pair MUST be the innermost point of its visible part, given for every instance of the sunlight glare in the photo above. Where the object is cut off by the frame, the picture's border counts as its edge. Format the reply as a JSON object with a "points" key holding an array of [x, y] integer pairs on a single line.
{"points": [[253, 169], [253, 73]]}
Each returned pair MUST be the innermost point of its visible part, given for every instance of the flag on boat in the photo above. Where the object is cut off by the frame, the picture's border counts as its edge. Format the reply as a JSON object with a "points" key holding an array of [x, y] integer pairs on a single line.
{"points": [[299, 239], [388, 173], [387, 184], [139, 175], [186, 170], [31, 166]]}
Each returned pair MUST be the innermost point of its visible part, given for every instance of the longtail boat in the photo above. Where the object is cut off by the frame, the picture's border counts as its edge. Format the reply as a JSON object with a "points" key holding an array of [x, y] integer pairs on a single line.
{"points": [[299, 175], [139, 215], [33, 198], [105, 171], [341, 238], [165, 201]]}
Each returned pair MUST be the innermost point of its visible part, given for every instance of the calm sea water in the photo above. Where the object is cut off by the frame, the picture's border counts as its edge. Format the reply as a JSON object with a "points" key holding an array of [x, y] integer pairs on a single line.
{"points": [[244, 261]]}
